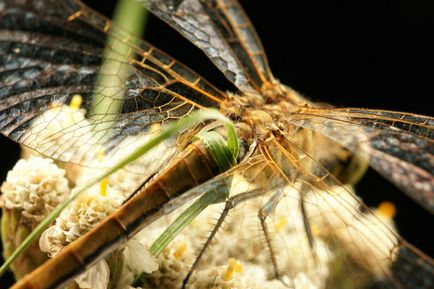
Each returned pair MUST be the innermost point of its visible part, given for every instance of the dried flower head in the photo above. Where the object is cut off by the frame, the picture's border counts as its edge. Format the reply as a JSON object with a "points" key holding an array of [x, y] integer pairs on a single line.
{"points": [[32, 189], [36, 186], [79, 217]]}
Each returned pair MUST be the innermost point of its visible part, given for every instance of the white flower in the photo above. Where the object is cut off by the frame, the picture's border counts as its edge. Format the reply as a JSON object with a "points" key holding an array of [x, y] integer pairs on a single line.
{"points": [[173, 264], [32, 189], [60, 132], [35, 185], [138, 258], [275, 284], [96, 277], [78, 218], [301, 281], [129, 178], [231, 276], [257, 274]]}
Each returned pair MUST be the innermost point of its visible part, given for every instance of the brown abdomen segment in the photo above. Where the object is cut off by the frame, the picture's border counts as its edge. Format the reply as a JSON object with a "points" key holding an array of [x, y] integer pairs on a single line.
{"points": [[192, 168]]}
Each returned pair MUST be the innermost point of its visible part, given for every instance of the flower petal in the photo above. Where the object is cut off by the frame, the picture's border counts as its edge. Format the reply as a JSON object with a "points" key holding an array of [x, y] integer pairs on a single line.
{"points": [[96, 277], [138, 257]]}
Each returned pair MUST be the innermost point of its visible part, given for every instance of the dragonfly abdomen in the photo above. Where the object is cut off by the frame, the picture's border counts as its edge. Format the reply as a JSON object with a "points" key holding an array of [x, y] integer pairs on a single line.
{"points": [[192, 168]]}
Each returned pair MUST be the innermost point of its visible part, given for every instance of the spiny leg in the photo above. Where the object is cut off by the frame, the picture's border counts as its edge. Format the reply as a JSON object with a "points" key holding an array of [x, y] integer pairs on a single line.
{"points": [[263, 213], [307, 226], [269, 206], [230, 204], [217, 226]]}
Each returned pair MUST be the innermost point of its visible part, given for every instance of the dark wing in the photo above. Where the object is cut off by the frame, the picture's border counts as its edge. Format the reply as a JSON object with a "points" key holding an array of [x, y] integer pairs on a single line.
{"points": [[366, 242], [222, 30], [399, 146], [52, 50]]}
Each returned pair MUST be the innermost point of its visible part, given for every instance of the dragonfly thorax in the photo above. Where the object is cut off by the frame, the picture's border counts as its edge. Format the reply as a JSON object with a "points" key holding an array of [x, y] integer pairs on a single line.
{"points": [[259, 117]]}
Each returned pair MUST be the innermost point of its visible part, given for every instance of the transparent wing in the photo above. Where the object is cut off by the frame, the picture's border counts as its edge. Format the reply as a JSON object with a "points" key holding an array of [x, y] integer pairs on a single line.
{"points": [[53, 50], [250, 171], [353, 246], [362, 245], [399, 146], [222, 30]]}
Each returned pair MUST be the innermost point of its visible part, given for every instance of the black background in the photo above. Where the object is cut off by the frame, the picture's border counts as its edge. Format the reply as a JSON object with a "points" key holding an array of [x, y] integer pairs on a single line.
{"points": [[373, 54]]}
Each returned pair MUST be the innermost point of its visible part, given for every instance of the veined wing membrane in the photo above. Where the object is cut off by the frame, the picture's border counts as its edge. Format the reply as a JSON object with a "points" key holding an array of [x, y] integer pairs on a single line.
{"points": [[150, 203], [365, 240], [399, 146], [52, 50], [222, 30]]}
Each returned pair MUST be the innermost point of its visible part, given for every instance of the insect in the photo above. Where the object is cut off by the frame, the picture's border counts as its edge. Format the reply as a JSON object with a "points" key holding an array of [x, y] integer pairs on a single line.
{"points": [[278, 128]]}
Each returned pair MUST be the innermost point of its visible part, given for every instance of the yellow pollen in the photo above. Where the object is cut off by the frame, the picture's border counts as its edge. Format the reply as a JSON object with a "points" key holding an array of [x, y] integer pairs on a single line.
{"points": [[154, 127], [100, 154], [280, 224], [239, 267], [387, 209], [233, 266], [76, 102], [315, 230], [103, 187], [179, 251]]}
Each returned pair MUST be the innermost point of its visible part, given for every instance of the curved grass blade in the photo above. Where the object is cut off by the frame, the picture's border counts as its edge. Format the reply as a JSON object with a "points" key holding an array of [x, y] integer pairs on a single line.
{"points": [[113, 74], [223, 155], [170, 130]]}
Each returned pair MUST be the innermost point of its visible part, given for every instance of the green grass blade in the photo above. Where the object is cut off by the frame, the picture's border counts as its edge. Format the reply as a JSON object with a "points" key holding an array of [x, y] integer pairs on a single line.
{"points": [[107, 98], [222, 154], [218, 149], [232, 140], [211, 197]]}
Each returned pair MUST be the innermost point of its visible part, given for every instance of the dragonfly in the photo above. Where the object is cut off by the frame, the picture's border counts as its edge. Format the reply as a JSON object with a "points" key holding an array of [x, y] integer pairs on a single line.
{"points": [[53, 50]]}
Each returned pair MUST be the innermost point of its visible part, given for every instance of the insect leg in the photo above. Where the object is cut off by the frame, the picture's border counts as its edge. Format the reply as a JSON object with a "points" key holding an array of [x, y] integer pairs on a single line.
{"points": [[263, 213], [307, 226], [230, 204]]}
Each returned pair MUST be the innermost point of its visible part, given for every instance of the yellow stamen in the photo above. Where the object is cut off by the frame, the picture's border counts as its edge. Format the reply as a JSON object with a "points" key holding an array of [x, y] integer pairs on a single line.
{"points": [[103, 187], [315, 230], [280, 224], [100, 154], [239, 267], [76, 101], [179, 251], [229, 273], [154, 127], [104, 182], [387, 209]]}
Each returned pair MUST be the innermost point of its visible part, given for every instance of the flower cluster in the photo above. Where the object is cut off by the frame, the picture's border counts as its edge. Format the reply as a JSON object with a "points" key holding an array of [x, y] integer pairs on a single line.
{"points": [[32, 189], [34, 186], [78, 218]]}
